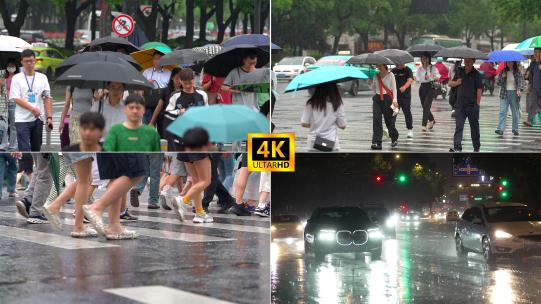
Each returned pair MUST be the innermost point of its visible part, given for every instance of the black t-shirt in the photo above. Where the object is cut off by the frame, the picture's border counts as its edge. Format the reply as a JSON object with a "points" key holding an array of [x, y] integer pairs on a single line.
{"points": [[401, 76], [185, 101], [471, 82]]}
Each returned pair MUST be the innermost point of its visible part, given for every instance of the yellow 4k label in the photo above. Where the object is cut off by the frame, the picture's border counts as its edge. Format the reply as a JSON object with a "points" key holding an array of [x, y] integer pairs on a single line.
{"points": [[271, 152]]}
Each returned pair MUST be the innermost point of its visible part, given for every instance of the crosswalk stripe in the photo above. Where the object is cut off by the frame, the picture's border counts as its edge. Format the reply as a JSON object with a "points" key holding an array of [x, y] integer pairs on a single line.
{"points": [[232, 227], [158, 294], [215, 215], [48, 239]]}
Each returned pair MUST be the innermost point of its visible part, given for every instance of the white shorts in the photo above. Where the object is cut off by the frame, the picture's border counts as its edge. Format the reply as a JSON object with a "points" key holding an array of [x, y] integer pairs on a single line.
{"points": [[96, 181]]}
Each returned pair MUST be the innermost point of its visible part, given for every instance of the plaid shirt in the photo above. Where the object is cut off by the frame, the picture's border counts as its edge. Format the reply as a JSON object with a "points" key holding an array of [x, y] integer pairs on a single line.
{"points": [[502, 82]]}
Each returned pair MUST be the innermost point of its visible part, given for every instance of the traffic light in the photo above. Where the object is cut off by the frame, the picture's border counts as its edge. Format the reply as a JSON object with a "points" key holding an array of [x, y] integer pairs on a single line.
{"points": [[378, 179], [500, 188], [402, 178], [504, 194], [505, 182]]}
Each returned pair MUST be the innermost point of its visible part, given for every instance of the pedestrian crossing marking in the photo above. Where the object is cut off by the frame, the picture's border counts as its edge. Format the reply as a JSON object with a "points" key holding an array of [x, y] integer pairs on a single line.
{"points": [[158, 294]]}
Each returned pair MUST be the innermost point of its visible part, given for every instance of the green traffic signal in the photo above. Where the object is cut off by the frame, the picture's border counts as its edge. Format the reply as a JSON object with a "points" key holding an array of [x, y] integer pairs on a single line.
{"points": [[505, 182], [504, 194], [402, 178]]}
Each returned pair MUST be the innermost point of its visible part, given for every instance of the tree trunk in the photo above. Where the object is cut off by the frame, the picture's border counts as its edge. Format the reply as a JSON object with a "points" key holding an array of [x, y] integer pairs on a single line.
{"points": [[203, 22], [93, 21], [385, 37], [245, 24], [147, 24], [14, 28], [335, 43], [167, 13], [233, 26], [105, 20], [220, 20], [72, 13], [189, 23]]}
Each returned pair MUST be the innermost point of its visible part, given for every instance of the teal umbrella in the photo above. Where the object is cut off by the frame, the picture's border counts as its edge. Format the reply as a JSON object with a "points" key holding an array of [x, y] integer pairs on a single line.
{"points": [[162, 47], [524, 47], [224, 123], [325, 74], [53, 161]]}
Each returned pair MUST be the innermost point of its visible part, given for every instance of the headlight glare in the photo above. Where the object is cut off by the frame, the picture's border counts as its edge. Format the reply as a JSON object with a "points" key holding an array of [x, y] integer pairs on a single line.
{"points": [[375, 233], [502, 234], [326, 235]]}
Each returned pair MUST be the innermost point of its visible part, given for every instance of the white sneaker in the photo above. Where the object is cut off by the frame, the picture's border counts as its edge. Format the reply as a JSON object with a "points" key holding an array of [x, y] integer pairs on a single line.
{"points": [[202, 218], [410, 133], [177, 206]]}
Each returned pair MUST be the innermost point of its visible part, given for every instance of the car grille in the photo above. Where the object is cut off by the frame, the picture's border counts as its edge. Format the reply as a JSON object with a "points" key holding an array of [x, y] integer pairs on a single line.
{"points": [[360, 237], [532, 238], [343, 237]]}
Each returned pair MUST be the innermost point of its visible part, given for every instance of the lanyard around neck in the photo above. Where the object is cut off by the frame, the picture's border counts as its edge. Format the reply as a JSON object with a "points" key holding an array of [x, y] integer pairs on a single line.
{"points": [[28, 84]]}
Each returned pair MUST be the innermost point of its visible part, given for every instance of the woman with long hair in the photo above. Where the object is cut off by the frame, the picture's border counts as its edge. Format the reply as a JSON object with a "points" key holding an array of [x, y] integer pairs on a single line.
{"points": [[323, 114], [511, 85], [11, 69], [427, 74], [173, 86]]}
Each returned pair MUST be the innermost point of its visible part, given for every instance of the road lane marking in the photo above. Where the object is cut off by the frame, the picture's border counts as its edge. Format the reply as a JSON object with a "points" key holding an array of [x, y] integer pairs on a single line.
{"points": [[156, 294]]}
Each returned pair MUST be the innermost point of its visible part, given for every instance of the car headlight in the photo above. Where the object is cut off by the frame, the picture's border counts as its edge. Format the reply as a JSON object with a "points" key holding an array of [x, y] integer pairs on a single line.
{"points": [[390, 223], [416, 217], [375, 233], [326, 235], [502, 234], [300, 227], [273, 228], [408, 217]]}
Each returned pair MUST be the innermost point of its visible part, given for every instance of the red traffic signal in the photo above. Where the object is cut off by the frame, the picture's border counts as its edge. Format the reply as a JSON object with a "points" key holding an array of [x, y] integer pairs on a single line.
{"points": [[379, 178], [500, 188]]}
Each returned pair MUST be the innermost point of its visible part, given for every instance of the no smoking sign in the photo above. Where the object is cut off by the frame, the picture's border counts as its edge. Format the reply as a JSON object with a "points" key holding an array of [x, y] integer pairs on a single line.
{"points": [[123, 25]]}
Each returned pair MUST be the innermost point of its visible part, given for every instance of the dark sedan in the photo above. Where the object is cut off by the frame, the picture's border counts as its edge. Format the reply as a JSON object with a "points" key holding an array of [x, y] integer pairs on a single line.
{"points": [[341, 230]]}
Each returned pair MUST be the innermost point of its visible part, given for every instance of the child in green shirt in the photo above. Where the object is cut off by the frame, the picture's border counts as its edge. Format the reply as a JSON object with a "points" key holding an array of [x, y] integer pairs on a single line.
{"points": [[132, 135]]}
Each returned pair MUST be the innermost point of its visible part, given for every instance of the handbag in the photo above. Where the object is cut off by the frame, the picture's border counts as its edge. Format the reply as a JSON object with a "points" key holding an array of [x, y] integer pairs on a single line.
{"points": [[323, 144]]}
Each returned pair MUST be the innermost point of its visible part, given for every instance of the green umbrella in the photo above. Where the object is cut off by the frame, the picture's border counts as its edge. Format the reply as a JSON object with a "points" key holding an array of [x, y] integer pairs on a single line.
{"points": [[224, 123], [54, 167], [536, 42], [162, 47]]}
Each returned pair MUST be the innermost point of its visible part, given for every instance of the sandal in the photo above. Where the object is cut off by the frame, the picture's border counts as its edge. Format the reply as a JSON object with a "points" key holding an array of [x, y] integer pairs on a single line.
{"points": [[124, 235], [87, 232], [54, 219], [94, 219]]}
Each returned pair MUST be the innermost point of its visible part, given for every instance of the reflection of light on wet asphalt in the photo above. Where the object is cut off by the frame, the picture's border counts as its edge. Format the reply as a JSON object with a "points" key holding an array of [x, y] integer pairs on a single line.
{"points": [[328, 283], [502, 291], [382, 279]]}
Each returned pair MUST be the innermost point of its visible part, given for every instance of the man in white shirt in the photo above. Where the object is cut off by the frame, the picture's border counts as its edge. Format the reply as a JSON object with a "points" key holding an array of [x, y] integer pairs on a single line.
{"points": [[159, 78], [111, 106], [31, 92]]}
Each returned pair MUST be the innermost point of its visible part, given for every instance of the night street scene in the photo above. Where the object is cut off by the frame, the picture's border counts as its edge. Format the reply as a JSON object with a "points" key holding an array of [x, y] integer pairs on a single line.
{"points": [[422, 51], [407, 228]]}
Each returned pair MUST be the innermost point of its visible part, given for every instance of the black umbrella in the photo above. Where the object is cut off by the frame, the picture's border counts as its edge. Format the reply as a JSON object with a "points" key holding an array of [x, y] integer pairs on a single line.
{"points": [[369, 58], [461, 52], [95, 56], [230, 58], [396, 56], [95, 74], [186, 57], [111, 44], [422, 49]]}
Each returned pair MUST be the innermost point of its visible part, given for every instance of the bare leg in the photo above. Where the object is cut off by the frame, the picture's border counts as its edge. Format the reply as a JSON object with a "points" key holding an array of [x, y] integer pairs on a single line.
{"points": [[83, 170], [60, 200], [200, 171], [115, 190], [114, 226], [240, 184]]}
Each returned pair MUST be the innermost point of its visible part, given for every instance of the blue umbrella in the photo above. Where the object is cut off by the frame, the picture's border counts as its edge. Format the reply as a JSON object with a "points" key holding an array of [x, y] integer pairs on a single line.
{"points": [[524, 47], [325, 74], [255, 39], [499, 56], [224, 123]]}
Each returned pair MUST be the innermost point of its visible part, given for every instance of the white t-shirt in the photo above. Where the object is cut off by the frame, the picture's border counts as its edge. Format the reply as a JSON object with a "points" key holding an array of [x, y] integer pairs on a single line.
{"points": [[510, 85], [323, 123], [20, 88], [113, 115]]}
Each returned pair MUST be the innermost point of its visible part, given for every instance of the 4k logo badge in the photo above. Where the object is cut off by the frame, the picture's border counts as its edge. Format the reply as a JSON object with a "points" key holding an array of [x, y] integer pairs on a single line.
{"points": [[271, 152]]}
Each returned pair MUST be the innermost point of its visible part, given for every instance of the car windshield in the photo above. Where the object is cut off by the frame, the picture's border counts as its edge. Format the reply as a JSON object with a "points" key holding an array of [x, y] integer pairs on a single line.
{"points": [[377, 212], [331, 61], [37, 53], [511, 214], [291, 61], [289, 218], [345, 214]]}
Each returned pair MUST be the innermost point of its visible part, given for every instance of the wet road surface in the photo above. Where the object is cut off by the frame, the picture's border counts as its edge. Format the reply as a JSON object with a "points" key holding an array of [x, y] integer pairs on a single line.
{"points": [[419, 266], [358, 134], [170, 262]]}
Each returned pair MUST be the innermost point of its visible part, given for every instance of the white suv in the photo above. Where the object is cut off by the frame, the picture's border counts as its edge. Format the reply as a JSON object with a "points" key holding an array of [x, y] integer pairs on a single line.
{"points": [[289, 67]]}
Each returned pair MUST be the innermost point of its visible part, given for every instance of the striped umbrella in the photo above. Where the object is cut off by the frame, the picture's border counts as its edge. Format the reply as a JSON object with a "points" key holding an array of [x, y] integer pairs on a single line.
{"points": [[209, 49]]}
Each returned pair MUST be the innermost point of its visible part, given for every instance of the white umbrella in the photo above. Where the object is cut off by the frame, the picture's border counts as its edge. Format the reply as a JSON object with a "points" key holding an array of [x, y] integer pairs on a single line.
{"points": [[14, 42]]}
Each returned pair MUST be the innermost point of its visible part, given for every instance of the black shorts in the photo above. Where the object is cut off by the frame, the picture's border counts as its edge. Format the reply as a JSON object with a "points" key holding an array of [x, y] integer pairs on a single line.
{"points": [[115, 165], [191, 157], [26, 163]]}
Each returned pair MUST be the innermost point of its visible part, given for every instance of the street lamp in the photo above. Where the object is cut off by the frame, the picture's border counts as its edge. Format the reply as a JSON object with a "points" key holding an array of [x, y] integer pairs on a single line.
{"points": [[397, 156], [459, 185]]}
